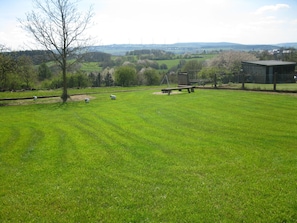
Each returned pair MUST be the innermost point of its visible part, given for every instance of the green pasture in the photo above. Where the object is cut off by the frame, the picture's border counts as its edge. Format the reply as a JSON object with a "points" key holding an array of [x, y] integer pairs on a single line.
{"points": [[207, 156], [91, 67], [175, 62]]}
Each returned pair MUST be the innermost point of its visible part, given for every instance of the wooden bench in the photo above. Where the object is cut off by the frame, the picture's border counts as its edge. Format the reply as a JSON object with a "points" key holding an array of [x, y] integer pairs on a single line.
{"points": [[190, 89]]}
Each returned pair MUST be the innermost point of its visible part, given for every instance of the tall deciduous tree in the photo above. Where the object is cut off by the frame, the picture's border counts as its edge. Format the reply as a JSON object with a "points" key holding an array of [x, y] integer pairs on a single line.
{"points": [[228, 64], [25, 70], [59, 27], [231, 60], [7, 68], [44, 72], [192, 67]]}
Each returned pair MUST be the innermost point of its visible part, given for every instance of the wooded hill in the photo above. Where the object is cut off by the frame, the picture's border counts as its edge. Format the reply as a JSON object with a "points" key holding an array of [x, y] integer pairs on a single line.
{"points": [[159, 51], [42, 56], [195, 47]]}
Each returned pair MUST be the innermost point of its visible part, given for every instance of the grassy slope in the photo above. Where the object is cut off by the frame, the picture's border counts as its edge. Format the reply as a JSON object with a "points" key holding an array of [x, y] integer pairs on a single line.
{"points": [[207, 156]]}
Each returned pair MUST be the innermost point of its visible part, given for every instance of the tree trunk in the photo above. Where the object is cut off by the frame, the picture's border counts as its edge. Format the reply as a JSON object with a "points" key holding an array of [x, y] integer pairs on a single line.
{"points": [[64, 94], [64, 70]]}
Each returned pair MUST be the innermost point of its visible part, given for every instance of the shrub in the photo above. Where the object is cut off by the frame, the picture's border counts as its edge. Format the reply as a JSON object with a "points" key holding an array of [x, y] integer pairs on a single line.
{"points": [[152, 77], [125, 76]]}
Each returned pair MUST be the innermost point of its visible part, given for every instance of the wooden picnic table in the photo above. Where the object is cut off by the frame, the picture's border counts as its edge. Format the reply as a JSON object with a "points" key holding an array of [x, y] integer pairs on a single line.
{"points": [[168, 90]]}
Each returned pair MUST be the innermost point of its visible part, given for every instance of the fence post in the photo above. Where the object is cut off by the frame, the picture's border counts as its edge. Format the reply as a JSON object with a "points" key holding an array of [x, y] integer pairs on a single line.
{"points": [[243, 77], [274, 81]]}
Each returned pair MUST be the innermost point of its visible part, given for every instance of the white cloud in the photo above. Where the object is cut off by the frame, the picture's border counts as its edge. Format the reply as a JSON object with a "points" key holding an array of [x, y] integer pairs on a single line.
{"points": [[271, 8]]}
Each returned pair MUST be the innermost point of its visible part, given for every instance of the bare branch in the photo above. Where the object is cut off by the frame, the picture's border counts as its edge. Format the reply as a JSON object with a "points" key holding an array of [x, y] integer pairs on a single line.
{"points": [[58, 27]]}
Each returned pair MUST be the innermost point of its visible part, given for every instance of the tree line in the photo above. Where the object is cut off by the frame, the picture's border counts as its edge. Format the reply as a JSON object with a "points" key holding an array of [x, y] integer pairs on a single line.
{"points": [[18, 71], [151, 54]]}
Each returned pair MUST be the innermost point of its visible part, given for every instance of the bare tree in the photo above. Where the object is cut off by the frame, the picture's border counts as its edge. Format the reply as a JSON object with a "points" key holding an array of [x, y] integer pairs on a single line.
{"points": [[3, 48], [59, 28]]}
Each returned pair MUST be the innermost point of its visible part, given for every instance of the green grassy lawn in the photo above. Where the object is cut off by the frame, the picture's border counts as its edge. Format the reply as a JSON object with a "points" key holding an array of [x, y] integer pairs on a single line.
{"points": [[208, 156]]}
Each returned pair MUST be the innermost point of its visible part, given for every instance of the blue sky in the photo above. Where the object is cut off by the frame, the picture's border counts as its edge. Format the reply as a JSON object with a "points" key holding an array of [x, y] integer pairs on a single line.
{"points": [[170, 21]]}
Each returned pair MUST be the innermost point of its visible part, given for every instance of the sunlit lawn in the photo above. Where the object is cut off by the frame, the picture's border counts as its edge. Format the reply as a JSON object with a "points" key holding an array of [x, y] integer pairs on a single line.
{"points": [[208, 156]]}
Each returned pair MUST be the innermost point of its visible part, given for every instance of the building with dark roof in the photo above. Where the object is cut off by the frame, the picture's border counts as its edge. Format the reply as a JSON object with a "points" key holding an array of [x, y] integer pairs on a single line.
{"points": [[263, 71]]}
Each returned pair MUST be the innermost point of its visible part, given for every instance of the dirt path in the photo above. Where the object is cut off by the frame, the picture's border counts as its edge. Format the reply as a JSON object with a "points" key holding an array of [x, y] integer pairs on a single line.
{"points": [[48, 100]]}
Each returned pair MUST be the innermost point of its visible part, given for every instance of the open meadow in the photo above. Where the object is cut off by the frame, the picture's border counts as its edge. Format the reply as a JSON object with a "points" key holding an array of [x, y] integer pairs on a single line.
{"points": [[207, 156]]}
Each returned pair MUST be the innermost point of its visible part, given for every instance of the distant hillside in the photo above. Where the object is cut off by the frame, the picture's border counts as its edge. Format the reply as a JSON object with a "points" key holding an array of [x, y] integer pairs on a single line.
{"points": [[288, 45], [181, 48], [39, 56]]}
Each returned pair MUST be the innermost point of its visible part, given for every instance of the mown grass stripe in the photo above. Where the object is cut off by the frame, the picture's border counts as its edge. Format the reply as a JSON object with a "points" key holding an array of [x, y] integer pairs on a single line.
{"points": [[209, 155]]}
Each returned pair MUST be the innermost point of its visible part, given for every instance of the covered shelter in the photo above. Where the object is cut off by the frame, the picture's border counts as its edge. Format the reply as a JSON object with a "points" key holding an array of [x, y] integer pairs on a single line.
{"points": [[268, 71]]}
